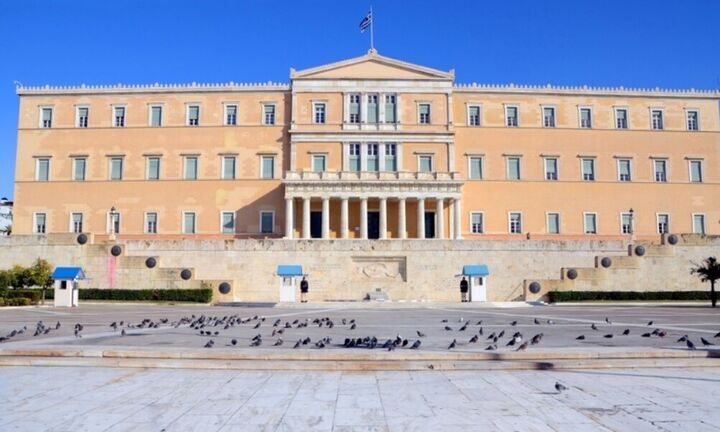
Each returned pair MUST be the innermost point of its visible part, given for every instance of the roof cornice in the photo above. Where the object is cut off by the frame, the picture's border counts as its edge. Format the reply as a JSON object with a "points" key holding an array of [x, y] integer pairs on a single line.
{"points": [[587, 90], [151, 88]]}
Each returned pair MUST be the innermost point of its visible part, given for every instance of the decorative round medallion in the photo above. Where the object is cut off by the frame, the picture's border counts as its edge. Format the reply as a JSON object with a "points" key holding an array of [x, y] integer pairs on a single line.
{"points": [[224, 288], [151, 262], [534, 287], [606, 262], [116, 250], [639, 250], [186, 274], [82, 239], [673, 239], [572, 274]]}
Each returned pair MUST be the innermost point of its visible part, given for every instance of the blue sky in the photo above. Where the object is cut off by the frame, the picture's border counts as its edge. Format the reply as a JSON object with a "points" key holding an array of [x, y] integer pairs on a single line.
{"points": [[664, 43]]}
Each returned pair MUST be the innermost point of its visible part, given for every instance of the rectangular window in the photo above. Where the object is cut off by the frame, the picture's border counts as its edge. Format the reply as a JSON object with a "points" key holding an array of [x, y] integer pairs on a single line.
{"points": [[40, 225], [621, 118], [513, 168], [425, 163], [476, 168], [318, 163], [549, 116], [267, 167], [156, 115], [390, 157], [696, 171], [267, 222], [231, 115], [698, 224], [354, 108], [663, 223], [114, 223], [46, 117], [660, 170], [692, 120], [193, 115], [656, 116], [474, 115], [588, 169], [116, 168], [42, 169], [153, 168], [511, 116], [424, 113], [372, 157], [83, 113], [585, 118], [228, 222], [269, 114], [76, 222], [119, 116], [151, 223], [551, 168], [354, 157], [228, 167], [515, 223], [319, 110], [372, 108], [476, 222], [625, 223], [390, 108], [191, 167], [189, 221], [553, 223], [590, 223], [624, 170], [79, 168]]}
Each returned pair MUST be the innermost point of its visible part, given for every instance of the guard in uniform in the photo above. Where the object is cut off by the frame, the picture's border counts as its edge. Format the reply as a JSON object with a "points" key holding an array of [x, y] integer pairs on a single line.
{"points": [[464, 290], [304, 286]]}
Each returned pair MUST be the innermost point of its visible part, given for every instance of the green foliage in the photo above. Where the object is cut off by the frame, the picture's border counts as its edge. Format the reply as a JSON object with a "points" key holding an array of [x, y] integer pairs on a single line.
{"points": [[38, 275], [578, 296], [201, 295], [708, 270]]}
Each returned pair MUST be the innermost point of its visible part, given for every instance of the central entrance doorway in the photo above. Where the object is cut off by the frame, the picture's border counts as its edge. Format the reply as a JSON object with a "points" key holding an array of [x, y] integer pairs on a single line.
{"points": [[373, 224], [429, 225], [315, 224]]}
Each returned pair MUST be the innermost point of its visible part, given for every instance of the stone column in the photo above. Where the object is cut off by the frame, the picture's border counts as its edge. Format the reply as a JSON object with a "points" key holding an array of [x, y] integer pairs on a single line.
{"points": [[289, 221], [344, 219], [440, 216], [451, 221], [402, 229], [306, 218], [326, 218], [458, 219], [383, 218], [363, 218], [421, 218]]}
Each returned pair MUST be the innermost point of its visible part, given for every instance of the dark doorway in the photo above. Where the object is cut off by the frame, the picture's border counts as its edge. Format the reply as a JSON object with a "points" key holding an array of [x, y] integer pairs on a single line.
{"points": [[373, 225], [429, 225], [315, 224]]}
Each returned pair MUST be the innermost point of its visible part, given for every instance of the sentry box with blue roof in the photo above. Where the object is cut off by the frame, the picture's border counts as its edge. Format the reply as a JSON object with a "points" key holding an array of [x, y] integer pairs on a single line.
{"points": [[66, 285], [289, 274], [477, 274]]}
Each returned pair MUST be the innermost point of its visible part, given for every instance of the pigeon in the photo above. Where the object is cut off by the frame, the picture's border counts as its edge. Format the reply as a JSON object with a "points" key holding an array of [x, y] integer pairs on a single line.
{"points": [[278, 342], [491, 347], [57, 326], [420, 334], [608, 336], [480, 332], [560, 388], [536, 339], [581, 337], [352, 326], [682, 339], [452, 344], [473, 339], [445, 320], [479, 322], [122, 333], [447, 328], [662, 333], [514, 323], [233, 342], [209, 344], [536, 321], [593, 326], [256, 342], [298, 343], [405, 342], [501, 334], [523, 346], [705, 341], [607, 320], [626, 332], [551, 322], [650, 323], [646, 335], [257, 325], [717, 335], [690, 345], [492, 336], [416, 344], [463, 328]]}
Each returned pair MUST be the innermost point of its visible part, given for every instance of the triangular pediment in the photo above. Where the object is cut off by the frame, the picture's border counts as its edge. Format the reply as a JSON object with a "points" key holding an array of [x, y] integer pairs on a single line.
{"points": [[372, 66]]}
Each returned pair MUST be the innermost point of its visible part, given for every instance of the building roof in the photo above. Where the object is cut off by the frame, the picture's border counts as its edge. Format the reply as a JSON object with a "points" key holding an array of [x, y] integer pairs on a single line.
{"points": [[68, 273], [289, 270], [475, 270]]}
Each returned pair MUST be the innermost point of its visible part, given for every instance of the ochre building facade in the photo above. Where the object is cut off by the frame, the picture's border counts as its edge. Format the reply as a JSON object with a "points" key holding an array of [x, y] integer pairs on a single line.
{"points": [[367, 148]]}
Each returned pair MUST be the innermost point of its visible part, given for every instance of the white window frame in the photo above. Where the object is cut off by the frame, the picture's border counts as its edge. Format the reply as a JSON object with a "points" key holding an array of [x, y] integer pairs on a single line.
{"points": [[260, 217], [509, 222], [507, 168], [662, 117], [545, 170], [262, 171], [71, 224], [592, 119], [37, 168], [77, 116], [162, 114], [697, 119], [360, 108], [222, 223], [195, 222], [222, 166], [692, 221], [315, 105], [35, 224], [702, 170], [146, 222], [147, 167], [74, 167], [547, 222], [109, 222], [467, 109], [542, 115], [262, 113], [517, 114], [424, 155], [122, 168], [657, 222], [630, 169], [225, 113], [41, 108], [112, 115], [469, 166], [594, 168], [597, 223], [482, 222], [632, 222], [187, 113], [197, 167], [667, 169], [419, 118], [313, 156], [627, 116]]}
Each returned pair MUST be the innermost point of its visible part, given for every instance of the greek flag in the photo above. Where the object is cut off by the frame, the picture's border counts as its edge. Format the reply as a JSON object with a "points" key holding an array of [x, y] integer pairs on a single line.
{"points": [[365, 23]]}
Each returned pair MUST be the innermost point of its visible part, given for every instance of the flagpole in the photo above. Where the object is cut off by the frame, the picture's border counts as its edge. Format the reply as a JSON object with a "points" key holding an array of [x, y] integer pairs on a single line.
{"points": [[372, 24]]}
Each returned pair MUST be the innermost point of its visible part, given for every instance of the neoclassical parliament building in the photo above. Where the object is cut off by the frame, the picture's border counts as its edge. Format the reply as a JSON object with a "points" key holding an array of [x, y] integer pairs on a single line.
{"points": [[371, 148]]}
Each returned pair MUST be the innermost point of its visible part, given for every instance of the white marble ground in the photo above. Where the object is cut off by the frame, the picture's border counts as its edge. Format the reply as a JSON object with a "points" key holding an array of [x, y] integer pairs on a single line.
{"points": [[105, 399]]}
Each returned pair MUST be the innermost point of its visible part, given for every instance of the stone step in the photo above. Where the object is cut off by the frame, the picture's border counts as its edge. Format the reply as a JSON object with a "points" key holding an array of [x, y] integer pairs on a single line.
{"points": [[584, 273], [618, 262], [650, 250]]}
